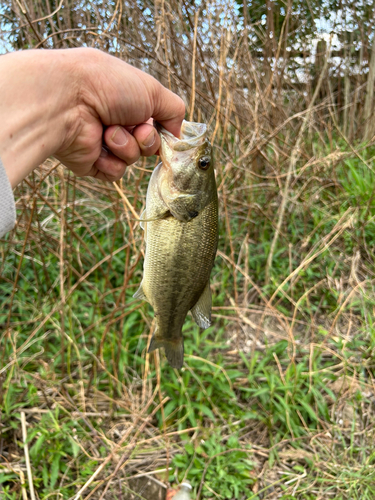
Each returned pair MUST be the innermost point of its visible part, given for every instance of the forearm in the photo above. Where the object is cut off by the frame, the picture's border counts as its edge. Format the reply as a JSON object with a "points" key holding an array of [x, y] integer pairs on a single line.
{"points": [[37, 104], [70, 102]]}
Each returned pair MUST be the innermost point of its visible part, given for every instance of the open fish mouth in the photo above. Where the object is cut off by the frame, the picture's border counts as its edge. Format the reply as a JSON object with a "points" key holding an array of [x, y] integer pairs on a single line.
{"points": [[193, 135]]}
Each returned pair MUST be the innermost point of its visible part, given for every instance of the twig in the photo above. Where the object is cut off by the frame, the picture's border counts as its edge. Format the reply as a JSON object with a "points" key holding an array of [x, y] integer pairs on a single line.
{"points": [[192, 103], [24, 492], [293, 161], [40, 18], [57, 306], [114, 451], [149, 474], [27, 457], [62, 267], [128, 204], [129, 450], [26, 14]]}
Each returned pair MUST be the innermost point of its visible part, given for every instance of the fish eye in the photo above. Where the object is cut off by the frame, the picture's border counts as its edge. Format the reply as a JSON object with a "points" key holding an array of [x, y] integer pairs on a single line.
{"points": [[204, 162]]}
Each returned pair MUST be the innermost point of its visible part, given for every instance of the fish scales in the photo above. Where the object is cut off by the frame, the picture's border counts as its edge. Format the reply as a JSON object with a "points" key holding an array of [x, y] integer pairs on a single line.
{"points": [[172, 249], [181, 231]]}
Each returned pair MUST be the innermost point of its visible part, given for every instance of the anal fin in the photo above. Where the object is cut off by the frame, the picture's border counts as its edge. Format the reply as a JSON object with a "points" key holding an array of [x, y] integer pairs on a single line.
{"points": [[201, 312], [174, 350]]}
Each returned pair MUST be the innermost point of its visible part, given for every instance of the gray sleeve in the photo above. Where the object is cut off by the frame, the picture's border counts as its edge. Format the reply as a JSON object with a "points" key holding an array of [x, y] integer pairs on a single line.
{"points": [[7, 206]]}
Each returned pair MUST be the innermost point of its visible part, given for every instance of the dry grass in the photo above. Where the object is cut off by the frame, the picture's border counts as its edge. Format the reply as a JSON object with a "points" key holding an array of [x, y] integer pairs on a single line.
{"points": [[287, 369]]}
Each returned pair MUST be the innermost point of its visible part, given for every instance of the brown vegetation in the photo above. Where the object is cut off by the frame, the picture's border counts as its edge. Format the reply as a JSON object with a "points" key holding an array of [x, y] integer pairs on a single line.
{"points": [[295, 265]]}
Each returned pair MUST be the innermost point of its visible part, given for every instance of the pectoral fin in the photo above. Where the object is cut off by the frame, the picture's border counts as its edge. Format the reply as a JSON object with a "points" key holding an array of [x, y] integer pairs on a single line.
{"points": [[142, 218], [201, 312], [174, 350], [140, 294]]}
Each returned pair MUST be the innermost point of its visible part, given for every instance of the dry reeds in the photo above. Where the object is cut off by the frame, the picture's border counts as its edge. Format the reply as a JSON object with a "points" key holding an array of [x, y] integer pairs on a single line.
{"points": [[295, 258]]}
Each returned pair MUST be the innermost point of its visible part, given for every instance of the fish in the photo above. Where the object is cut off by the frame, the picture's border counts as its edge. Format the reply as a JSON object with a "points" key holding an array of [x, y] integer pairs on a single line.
{"points": [[181, 233]]}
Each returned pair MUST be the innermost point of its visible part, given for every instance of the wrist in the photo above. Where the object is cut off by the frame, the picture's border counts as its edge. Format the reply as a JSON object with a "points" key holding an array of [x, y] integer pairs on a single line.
{"points": [[36, 109]]}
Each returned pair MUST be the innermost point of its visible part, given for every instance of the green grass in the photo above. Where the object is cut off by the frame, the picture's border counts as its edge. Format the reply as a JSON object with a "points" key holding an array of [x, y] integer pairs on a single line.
{"points": [[272, 401]]}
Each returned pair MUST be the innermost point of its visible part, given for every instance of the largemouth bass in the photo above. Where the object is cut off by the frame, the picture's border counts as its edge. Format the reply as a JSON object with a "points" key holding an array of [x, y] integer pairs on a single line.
{"points": [[181, 231]]}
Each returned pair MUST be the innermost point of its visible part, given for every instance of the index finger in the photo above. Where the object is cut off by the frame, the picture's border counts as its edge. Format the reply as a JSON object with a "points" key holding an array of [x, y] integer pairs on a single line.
{"points": [[169, 108], [124, 95]]}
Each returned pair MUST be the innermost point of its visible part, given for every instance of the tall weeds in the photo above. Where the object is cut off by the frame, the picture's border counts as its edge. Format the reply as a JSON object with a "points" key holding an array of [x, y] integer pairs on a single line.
{"points": [[293, 281]]}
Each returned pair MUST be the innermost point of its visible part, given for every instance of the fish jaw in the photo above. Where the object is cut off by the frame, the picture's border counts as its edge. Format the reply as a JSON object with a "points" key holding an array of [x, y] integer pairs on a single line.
{"points": [[183, 187], [192, 135]]}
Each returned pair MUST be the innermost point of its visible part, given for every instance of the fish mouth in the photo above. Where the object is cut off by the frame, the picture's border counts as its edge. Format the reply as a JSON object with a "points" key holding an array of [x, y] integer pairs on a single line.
{"points": [[193, 135]]}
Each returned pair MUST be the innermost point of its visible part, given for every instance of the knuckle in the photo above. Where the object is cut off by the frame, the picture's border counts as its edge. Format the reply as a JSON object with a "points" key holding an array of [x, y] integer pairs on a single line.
{"points": [[132, 158]]}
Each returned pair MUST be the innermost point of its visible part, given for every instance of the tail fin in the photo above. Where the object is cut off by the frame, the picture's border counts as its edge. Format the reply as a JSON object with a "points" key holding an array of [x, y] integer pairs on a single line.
{"points": [[174, 350]]}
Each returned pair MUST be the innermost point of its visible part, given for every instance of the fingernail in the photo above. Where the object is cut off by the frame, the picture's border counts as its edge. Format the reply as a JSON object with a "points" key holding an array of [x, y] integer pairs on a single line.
{"points": [[104, 153], [150, 139], [119, 137]]}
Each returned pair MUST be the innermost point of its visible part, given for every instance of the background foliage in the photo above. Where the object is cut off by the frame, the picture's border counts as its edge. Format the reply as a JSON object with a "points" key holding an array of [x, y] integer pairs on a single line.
{"points": [[276, 399]]}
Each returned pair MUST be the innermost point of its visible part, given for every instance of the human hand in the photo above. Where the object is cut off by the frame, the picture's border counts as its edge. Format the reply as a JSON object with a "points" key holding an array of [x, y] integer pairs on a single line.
{"points": [[69, 103]]}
